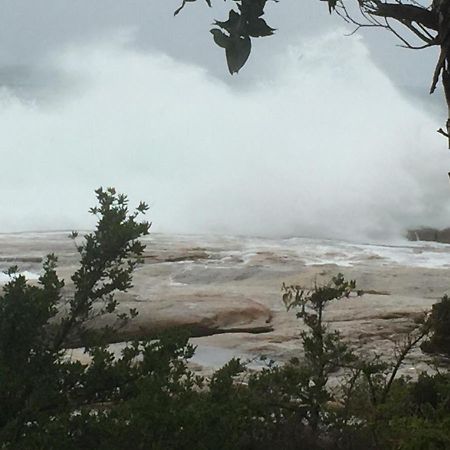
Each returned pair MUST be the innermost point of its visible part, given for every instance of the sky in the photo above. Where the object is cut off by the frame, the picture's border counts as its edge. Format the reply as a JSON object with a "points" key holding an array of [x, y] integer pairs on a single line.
{"points": [[31, 30], [320, 134]]}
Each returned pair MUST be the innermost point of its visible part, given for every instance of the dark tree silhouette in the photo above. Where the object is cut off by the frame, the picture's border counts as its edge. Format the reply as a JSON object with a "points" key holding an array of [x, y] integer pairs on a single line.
{"points": [[416, 24], [426, 25]]}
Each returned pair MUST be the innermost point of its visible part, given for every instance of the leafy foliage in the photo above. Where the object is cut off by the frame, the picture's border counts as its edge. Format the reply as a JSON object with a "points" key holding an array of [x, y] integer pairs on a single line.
{"points": [[35, 325], [439, 322], [428, 24], [234, 34], [147, 396], [324, 350]]}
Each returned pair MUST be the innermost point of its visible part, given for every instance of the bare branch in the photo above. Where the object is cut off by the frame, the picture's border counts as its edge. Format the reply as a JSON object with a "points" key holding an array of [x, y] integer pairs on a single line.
{"points": [[437, 71], [441, 131], [403, 12]]}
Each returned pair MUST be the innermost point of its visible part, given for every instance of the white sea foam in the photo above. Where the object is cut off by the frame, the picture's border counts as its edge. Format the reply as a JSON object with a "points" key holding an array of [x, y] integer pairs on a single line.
{"points": [[430, 255], [323, 145], [5, 278]]}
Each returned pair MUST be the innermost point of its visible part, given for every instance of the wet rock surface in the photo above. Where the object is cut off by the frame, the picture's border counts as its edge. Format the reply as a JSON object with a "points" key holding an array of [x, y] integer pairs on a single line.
{"points": [[430, 234], [198, 315], [227, 290]]}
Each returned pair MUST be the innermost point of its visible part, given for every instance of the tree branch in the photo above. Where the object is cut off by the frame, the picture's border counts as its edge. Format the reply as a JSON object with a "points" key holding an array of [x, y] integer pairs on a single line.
{"points": [[408, 13]]}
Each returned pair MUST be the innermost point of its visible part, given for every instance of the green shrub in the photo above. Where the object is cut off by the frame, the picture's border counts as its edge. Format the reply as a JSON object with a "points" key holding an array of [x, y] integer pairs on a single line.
{"points": [[439, 322], [148, 398]]}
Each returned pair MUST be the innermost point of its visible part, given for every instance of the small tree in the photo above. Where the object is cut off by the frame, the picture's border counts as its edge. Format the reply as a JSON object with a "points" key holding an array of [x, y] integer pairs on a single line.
{"points": [[439, 323], [371, 391], [36, 380], [325, 351]]}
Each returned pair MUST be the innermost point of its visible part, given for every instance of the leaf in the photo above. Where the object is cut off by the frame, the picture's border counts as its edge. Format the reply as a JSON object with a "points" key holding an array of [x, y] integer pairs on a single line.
{"points": [[232, 25], [220, 38], [183, 4], [332, 5], [252, 8], [237, 53], [259, 28]]}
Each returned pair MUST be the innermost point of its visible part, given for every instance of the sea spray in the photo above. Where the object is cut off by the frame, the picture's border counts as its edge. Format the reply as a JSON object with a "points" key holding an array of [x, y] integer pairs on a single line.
{"points": [[322, 145]]}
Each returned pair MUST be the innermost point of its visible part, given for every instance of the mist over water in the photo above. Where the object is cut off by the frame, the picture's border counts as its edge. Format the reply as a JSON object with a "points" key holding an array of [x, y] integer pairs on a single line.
{"points": [[321, 145]]}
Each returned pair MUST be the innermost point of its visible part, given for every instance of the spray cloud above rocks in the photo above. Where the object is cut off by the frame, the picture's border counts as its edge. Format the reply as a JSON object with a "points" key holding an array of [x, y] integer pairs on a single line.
{"points": [[321, 144]]}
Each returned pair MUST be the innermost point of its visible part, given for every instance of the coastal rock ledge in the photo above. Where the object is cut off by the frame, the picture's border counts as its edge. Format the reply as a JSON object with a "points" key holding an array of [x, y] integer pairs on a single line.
{"points": [[199, 315], [429, 234]]}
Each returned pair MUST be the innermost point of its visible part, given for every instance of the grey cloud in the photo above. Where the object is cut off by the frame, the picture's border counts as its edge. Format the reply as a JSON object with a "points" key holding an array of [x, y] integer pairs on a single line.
{"points": [[30, 30]]}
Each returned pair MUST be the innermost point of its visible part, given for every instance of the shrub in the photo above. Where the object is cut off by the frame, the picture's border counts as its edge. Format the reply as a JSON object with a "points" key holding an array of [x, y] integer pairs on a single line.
{"points": [[439, 322], [148, 398]]}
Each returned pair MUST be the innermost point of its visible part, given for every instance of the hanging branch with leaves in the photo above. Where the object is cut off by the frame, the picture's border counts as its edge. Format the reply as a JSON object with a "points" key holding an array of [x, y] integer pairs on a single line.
{"points": [[416, 25]]}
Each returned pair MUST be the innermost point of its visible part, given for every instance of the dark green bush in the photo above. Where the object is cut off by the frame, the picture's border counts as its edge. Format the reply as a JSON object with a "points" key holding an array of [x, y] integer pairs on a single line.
{"points": [[147, 398], [439, 322]]}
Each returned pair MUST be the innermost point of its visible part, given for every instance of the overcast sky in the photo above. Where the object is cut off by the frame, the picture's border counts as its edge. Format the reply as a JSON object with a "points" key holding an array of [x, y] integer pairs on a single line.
{"points": [[30, 30]]}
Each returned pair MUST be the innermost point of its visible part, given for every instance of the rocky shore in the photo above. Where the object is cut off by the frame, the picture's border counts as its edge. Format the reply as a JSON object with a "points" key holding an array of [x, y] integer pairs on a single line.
{"points": [[429, 234], [226, 290]]}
